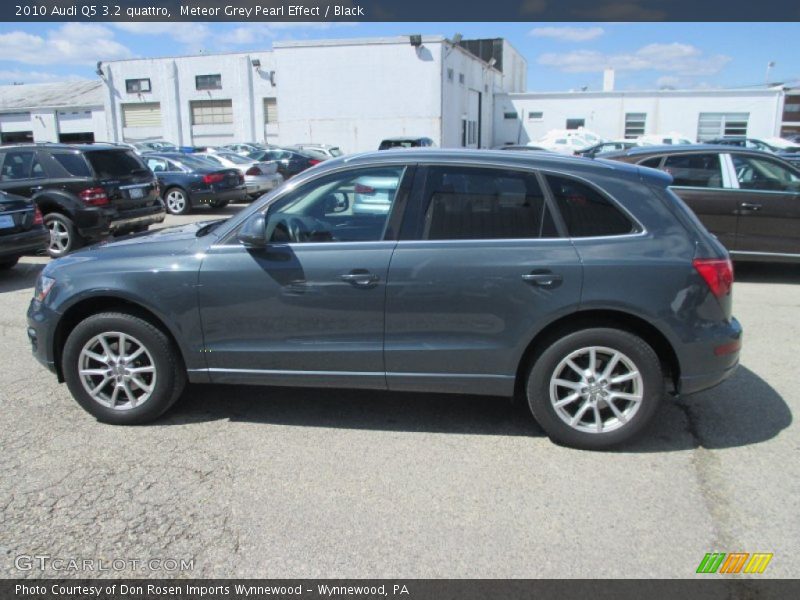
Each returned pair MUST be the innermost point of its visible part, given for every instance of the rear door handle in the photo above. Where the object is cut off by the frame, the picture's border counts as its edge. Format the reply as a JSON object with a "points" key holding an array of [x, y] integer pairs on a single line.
{"points": [[750, 206], [37, 188], [544, 279], [360, 278]]}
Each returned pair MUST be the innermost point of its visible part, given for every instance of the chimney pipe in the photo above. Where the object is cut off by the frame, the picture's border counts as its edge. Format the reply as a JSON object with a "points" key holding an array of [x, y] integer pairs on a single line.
{"points": [[608, 80]]}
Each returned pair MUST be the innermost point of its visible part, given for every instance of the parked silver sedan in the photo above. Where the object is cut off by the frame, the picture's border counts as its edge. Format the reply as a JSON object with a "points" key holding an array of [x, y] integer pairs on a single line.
{"points": [[259, 177]]}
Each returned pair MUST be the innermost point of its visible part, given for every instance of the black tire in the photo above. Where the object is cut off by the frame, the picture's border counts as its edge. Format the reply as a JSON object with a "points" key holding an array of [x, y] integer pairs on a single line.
{"points": [[64, 236], [177, 201], [549, 366], [8, 263], [170, 374]]}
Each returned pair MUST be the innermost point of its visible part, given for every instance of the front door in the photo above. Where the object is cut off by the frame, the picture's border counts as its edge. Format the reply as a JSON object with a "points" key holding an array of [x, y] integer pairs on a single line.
{"points": [[309, 308], [768, 200]]}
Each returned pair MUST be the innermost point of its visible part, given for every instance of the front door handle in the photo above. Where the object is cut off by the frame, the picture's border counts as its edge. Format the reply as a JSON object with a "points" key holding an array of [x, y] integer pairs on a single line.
{"points": [[37, 188], [360, 278], [542, 278], [750, 206]]}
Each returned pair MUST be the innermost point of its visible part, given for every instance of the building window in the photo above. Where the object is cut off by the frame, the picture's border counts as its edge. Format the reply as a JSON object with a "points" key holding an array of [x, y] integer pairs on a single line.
{"points": [[460, 78], [449, 74], [714, 125], [575, 123], [271, 111], [510, 114], [792, 107], [208, 82], [634, 125], [211, 112], [137, 86], [535, 116]]}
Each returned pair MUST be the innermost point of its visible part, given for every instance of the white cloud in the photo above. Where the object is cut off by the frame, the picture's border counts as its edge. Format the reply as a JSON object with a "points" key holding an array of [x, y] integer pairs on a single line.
{"points": [[72, 43], [254, 33], [15, 76], [680, 59], [189, 34], [568, 34]]}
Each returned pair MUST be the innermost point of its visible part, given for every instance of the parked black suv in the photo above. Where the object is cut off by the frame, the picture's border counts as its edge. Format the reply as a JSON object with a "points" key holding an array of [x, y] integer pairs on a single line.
{"points": [[85, 192]]}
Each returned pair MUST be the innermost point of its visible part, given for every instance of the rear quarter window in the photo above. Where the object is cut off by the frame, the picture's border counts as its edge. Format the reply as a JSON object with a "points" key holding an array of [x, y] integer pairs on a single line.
{"points": [[74, 164], [586, 212]]}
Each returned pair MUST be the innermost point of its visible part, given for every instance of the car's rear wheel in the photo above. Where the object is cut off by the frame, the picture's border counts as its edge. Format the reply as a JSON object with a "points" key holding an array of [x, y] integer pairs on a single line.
{"points": [[64, 237], [8, 263], [122, 369], [177, 201], [595, 388]]}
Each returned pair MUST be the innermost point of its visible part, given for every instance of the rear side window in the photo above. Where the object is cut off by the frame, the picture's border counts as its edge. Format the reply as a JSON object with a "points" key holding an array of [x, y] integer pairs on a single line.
{"points": [[74, 164], [586, 212], [694, 170], [114, 163], [653, 163], [471, 203]]}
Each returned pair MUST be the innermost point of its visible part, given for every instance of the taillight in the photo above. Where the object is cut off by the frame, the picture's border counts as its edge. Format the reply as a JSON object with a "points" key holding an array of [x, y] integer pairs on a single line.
{"points": [[364, 189], [213, 178], [253, 171], [717, 273], [38, 219], [95, 196], [313, 161]]}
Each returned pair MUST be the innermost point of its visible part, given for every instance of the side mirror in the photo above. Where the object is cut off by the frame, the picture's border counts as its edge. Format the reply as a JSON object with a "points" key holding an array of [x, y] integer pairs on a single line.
{"points": [[253, 233]]}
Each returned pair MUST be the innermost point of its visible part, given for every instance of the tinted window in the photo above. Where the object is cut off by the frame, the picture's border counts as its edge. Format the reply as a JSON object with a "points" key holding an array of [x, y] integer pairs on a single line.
{"points": [[471, 203], [344, 207], [694, 170], [74, 164], [157, 165], [760, 174], [653, 163], [586, 212], [114, 163], [18, 165]]}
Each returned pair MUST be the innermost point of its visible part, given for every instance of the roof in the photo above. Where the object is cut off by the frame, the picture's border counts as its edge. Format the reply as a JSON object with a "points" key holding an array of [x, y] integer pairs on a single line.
{"points": [[682, 149], [74, 94]]}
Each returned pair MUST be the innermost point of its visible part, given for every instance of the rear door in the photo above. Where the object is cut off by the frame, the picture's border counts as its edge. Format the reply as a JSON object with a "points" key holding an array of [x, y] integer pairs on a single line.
{"points": [[767, 193], [479, 268], [700, 181]]}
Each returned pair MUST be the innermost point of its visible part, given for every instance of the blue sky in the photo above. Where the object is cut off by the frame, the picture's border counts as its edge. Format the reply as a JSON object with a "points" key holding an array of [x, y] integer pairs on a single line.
{"points": [[560, 56]]}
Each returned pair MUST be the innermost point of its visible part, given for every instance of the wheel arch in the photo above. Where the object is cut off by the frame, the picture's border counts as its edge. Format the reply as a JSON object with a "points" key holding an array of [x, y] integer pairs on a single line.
{"points": [[91, 305], [600, 318]]}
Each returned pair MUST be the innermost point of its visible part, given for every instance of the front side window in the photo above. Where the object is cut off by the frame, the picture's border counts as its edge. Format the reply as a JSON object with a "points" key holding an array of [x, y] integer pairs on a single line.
{"points": [[342, 207], [586, 212], [760, 174], [467, 203], [694, 170]]}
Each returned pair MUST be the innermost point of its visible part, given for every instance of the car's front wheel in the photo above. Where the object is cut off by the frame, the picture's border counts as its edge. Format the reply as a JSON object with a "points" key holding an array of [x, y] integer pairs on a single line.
{"points": [[8, 263], [177, 201], [595, 388], [122, 369]]}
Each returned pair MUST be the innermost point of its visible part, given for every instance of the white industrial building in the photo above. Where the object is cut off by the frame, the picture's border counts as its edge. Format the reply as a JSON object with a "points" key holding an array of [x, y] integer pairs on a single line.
{"points": [[352, 93], [52, 112], [699, 115]]}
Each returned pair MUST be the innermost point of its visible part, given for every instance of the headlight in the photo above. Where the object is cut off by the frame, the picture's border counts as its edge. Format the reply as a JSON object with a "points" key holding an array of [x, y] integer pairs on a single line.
{"points": [[43, 286]]}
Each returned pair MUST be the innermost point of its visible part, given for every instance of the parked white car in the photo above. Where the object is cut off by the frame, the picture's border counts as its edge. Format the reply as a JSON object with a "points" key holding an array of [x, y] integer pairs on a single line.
{"points": [[259, 177], [244, 149], [326, 149], [660, 139], [568, 141]]}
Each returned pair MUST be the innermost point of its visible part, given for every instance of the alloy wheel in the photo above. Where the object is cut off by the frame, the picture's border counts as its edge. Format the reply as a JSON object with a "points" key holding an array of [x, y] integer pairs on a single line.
{"points": [[176, 201], [59, 236]]}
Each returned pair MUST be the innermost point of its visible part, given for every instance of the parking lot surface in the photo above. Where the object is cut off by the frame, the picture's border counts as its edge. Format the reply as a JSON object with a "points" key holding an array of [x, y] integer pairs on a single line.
{"points": [[273, 482]]}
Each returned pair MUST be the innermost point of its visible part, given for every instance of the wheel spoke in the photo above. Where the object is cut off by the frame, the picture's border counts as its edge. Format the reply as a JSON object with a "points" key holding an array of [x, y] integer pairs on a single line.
{"points": [[121, 345], [578, 415], [96, 357], [574, 367], [610, 365], [100, 385], [624, 377], [598, 421], [114, 395], [593, 360], [615, 410], [141, 384], [90, 372], [573, 385], [136, 354], [129, 393], [626, 396], [137, 370], [567, 400], [107, 348]]}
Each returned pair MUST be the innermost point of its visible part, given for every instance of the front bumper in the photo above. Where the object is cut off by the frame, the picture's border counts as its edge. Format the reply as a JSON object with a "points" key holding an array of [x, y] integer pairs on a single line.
{"points": [[41, 327], [21, 243]]}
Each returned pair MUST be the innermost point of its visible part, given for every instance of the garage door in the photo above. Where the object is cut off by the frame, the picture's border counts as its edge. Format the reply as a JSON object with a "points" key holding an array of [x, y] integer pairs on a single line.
{"points": [[141, 114]]}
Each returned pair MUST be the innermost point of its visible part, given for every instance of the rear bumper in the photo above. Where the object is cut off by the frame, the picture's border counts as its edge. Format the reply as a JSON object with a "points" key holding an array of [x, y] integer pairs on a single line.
{"points": [[260, 185], [711, 361], [17, 244], [208, 196], [95, 223]]}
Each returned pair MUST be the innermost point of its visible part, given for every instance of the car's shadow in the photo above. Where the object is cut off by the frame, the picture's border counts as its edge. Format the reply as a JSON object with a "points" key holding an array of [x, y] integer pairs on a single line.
{"points": [[744, 410], [22, 276], [754, 272]]}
